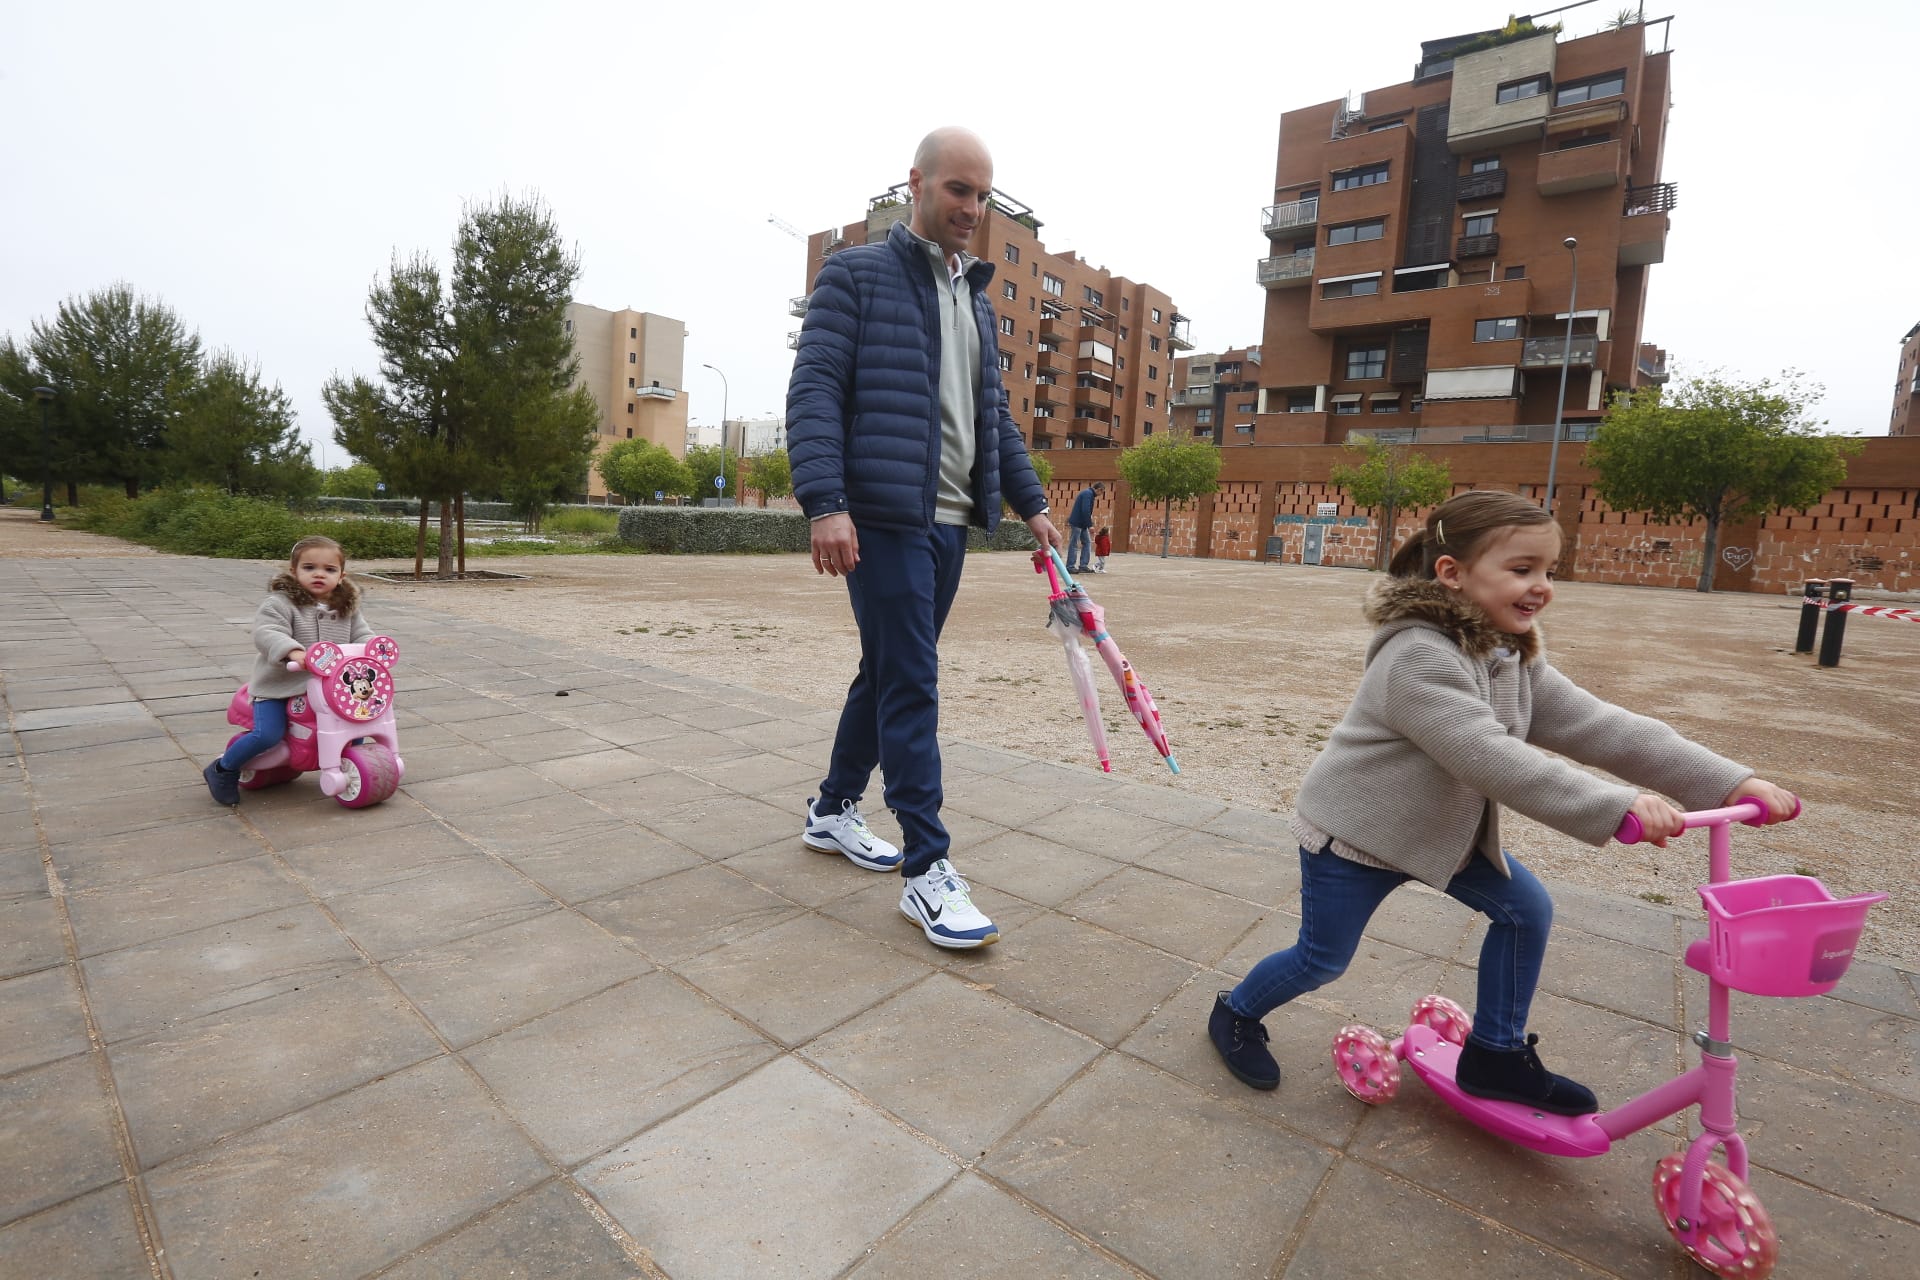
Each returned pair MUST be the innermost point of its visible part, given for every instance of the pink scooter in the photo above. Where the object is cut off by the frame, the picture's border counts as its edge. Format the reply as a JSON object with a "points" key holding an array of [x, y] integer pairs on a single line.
{"points": [[342, 726], [1771, 936]]}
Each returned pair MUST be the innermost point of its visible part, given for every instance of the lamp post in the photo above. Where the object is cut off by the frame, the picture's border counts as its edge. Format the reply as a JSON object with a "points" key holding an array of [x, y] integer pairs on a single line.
{"points": [[723, 421], [45, 396], [1566, 359]]}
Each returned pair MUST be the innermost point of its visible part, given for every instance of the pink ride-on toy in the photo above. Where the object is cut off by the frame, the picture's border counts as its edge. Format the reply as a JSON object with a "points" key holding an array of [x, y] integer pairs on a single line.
{"points": [[342, 726], [1771, 936]]}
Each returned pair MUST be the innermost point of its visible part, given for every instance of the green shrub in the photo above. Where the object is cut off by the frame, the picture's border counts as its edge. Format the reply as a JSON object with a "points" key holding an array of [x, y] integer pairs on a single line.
{"points": [[597, 521], [713, 530], [204, 522]]}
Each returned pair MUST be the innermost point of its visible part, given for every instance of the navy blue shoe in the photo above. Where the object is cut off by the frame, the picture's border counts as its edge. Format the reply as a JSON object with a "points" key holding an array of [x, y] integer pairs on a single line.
{"points": [[1516, 1075], [1242, 1043], [223, 783]]}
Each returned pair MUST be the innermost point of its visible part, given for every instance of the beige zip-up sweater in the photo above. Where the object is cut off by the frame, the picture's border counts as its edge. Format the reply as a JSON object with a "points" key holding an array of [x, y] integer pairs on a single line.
{"points": [[1446, 728]]}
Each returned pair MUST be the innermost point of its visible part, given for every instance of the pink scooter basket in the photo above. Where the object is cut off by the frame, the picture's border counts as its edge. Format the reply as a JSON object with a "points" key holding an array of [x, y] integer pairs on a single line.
{"points": [[1782, 935]]}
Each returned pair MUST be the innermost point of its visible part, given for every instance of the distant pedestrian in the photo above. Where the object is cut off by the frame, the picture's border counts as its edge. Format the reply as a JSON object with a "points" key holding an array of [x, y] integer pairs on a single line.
{"points": [[1102, 548], [311, 600], [1080, 528], [898, 428]]}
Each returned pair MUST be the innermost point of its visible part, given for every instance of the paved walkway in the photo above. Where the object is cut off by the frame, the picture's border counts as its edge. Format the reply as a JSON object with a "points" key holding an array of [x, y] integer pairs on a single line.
{"points": [[577, 1002]]}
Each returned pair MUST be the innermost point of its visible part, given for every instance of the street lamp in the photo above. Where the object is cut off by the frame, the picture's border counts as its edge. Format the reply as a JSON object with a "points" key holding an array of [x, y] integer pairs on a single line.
{"points": [[1566, 359], [45, 396], [723, 422]]}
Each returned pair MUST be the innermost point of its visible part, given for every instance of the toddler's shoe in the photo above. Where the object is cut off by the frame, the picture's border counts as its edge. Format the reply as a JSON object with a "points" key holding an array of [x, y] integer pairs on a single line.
{"points": [[1242, 1043], [1515, 1075], [223, 783]]}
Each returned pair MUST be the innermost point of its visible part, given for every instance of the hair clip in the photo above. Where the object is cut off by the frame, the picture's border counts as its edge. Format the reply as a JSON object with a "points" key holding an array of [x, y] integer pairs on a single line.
{"points": [[1440, 532]]}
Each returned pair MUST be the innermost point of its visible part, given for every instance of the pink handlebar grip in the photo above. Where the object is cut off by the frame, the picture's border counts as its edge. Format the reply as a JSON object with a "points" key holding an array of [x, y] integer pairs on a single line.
{"points": [[1751, 812]]}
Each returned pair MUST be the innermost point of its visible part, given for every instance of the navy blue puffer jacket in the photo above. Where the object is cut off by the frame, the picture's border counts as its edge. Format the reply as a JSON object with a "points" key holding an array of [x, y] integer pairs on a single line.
{"points": [[863, 407]]}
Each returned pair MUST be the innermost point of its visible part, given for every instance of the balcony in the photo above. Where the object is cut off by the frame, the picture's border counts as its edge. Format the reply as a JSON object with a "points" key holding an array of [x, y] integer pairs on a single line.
{"points": [[1287, 271], [1481, 186], [1580, 168], [798, 306], [1057, 363], [793, 340], [1477, 246], [1283, 219], [1652, 369], [1177, 332], [1643, 240], [1191, 397], [1049, 393], [657, 392], [1546, 353], [1655, 197], [1058, 330]]}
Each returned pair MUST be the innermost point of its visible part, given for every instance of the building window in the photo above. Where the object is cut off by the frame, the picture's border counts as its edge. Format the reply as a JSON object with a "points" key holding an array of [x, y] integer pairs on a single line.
{"points": [[1391, 404], [633, 358], [1153, 342], [1479, 224], [1153, 373], [1119, 362], [1244, 428], [1029, 373], [1052, 284], [1416, 404], [1354, 232], [1156, 315], [1006, 325], [629, 406], [1515, 90], [1346, 407], [633, 333], [1485, 164], [1592, 87], [1146, 428], [1153, 401], [1246, 407], [1351, 288], [1126, 304], [1006, 362], [1093, 295], [629, 433], [1584, 140], [1023, 406], [1299, 402], [1010, 291], [1013, 253], [1203, 417], [1504, 329], [1386, 124], [1366, 362], [1366, 176], [629, 383], [569, 326], [1123, 329], [1514, 273]]}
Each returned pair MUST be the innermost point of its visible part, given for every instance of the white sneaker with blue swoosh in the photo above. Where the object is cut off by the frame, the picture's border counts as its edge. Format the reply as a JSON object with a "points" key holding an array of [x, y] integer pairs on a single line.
{"points": [[941, 904], [846, 832]]}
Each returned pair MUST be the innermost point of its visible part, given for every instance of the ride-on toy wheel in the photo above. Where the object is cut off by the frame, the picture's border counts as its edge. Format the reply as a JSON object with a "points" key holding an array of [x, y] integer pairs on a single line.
{"points": [[1446, 1019], [1735, 1237], [260, 779], [370, 775], [1366, 1065]]}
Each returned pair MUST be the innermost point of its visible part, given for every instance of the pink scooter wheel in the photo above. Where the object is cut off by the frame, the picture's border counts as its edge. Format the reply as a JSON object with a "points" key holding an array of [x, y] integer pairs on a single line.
{"points": [[371, 775], [1365, 1064], [1735, 1237], [1448, 1020]]}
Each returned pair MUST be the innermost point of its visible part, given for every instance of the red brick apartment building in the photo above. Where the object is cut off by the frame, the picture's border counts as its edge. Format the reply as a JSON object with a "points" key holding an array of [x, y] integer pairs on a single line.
{"points": [[1087, 355], [1416, 274], [1906, 389], [1216, 395]]}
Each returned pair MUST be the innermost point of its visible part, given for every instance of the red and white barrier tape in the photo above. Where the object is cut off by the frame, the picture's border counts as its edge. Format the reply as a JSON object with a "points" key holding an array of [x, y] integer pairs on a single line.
{"points": [[1870, 610]]}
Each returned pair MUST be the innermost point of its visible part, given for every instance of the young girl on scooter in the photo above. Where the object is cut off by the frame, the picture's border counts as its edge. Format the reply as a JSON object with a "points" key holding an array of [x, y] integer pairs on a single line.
{"points": [[1456, 701], [310, 601]]}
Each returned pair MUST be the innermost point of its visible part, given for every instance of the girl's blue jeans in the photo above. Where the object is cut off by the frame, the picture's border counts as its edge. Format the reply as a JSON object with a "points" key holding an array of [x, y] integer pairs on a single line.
{"points": [[269, 726], [1337, 898]]}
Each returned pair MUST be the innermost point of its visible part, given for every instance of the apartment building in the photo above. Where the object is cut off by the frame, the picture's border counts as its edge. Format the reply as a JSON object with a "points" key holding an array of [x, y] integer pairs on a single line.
{"points": [[1216, 395], [1417, 274], [631, 361], [1087, 355], [1906, 388]]}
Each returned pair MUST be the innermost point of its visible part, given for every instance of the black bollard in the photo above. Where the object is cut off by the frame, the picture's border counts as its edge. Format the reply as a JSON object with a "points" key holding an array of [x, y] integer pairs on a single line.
{"points": [[1839, 591], [1810, 614]]}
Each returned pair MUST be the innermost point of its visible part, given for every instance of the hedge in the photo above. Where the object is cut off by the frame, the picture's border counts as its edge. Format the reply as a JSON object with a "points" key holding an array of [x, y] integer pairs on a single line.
{"points": [[202, 522], [717, 530]]}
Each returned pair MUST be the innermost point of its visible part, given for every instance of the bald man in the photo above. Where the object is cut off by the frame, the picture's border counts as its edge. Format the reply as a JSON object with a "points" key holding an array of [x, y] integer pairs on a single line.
{"points": [[900, 439]]}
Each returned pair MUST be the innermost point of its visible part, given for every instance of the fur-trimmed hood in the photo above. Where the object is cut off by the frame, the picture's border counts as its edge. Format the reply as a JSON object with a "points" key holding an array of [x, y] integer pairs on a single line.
{"points": [[1395, 604], [344, 600]]}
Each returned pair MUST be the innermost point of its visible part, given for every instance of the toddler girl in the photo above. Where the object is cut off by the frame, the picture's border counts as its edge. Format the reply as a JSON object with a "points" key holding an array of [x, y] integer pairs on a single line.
{"points": [[1102, 544], [313, 600], [1411, 782]]}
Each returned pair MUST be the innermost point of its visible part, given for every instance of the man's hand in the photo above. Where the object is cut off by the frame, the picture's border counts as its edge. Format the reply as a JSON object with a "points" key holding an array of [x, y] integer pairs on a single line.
{"points": [[836, 547], [1047, 536]]}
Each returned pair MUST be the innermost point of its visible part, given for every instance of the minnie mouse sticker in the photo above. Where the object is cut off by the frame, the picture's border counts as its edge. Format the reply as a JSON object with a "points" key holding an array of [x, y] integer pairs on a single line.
{"points": [[360, 689]]}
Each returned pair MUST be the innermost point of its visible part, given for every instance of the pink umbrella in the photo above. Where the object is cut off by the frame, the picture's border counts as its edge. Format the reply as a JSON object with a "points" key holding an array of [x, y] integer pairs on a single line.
{"points": [[1068, 598], [1064, 621]]}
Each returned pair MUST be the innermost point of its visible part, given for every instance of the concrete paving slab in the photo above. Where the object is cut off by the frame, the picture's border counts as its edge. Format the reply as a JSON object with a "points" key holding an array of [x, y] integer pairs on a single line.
{"points": [[1030, 867], [1191, 922], [528, 826], [93, 1235], [43, 1020], [723, 824], [136, 911], [676, 917], [57, 1124], [85, 863], [424, 910], [1024, 1243], [1099, 983], [594, 866], [550, 1232], [32, 935], [1852, 1042], [22, 874], [639, 798]]}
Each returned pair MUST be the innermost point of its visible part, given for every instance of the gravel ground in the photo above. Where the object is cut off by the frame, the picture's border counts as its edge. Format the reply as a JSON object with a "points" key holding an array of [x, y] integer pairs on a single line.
{"points": [[1252, 665]]}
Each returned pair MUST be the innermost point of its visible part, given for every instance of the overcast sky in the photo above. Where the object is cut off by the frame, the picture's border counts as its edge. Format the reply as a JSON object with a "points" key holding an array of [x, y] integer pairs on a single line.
{"points": [[256, 165]]}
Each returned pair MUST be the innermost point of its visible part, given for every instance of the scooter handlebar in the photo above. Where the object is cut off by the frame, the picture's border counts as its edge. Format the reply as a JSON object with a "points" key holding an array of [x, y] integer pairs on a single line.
{"points": [[1750, 812]]}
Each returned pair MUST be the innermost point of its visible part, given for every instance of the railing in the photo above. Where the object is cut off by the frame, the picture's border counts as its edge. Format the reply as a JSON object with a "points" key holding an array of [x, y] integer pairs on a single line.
{"points": [[1477, 246], [1481, 186], [1297, 213], [1289, 266], [793, 340], [1190, 397], [1652, 370], [1177, 332], [668, 393], [1655, 197], [1531, 433], [1546, 353], [798, 306]]}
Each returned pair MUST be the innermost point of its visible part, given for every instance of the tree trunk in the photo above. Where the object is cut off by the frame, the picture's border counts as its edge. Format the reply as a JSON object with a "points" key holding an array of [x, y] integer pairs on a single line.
{"points": [[73, 493], [1166, 528], [420, 543], [443, 566], [460, 516], [1384, 551], [132, 486], [1712, 550]]}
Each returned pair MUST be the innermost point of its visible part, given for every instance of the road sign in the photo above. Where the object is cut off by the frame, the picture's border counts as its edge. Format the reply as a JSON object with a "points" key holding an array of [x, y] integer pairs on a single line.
{"points": [[719, 482], [659, 494]]}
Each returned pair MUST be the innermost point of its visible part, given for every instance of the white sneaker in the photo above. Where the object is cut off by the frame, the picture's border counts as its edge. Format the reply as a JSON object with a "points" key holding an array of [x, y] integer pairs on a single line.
{"points": [[846, 832], [940, 903]]}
